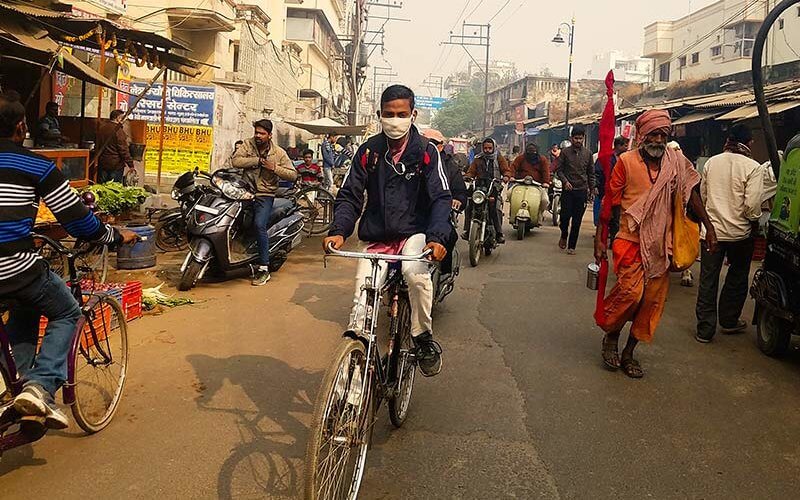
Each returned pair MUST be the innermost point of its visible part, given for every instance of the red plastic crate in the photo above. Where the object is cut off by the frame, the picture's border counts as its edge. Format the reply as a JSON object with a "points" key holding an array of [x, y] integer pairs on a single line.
{"points": [[102, 323], [132, 300]]}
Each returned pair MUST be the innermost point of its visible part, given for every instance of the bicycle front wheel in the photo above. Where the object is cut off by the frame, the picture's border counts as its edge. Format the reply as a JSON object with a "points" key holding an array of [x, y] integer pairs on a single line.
{"points": [[340, 428], [316, 205], [404, 365], [101, 363]]}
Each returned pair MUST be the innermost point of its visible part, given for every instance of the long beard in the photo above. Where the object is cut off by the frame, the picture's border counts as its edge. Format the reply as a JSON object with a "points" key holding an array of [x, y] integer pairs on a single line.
{"points": [[655, 151]]}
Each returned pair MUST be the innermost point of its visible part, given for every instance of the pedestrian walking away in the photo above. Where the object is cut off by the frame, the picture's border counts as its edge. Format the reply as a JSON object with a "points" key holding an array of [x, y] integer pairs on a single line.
{"points": [[328, 160], [643, 187], [732, 189], [576, 172]]}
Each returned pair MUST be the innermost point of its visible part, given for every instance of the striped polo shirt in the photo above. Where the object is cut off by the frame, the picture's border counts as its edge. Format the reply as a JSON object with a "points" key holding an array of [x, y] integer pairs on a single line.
{"points": [[25, 179]]}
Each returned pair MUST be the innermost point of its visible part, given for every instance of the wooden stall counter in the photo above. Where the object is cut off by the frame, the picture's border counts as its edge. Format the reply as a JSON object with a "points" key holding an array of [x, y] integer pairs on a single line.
{"points": [[74, 163]]}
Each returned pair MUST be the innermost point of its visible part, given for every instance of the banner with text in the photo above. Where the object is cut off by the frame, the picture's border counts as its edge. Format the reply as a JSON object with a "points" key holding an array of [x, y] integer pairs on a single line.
{"points": [[185, 147]]}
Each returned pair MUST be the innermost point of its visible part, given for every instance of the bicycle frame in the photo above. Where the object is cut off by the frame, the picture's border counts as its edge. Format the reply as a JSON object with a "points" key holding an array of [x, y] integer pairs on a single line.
{"points": [[372, 304]]}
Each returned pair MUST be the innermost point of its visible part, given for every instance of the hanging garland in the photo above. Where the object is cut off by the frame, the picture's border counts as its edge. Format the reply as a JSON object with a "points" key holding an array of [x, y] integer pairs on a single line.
{"points": [[97, 30]]}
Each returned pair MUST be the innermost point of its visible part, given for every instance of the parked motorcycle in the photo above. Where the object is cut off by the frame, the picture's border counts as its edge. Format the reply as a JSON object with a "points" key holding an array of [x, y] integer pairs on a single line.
{"points": [[482, 236], [556, 188], [443, 285], [526, 200], [221, 231], [171, 231]]}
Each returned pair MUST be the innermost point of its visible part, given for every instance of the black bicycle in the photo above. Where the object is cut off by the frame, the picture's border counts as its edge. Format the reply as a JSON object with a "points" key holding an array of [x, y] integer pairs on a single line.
{"points": [[358, 381]]}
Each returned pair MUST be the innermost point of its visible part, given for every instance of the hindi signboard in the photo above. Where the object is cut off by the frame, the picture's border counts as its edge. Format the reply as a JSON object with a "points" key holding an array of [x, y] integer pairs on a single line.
{"points": [[186, 104], [185, 147]]}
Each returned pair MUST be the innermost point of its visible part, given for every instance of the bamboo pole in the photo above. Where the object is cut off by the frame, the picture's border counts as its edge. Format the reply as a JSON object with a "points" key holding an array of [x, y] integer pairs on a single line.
{"points": [[161, 130]]}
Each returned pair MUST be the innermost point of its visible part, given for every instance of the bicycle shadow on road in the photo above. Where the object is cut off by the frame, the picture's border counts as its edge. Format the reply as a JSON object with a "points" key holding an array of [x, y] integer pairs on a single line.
{"points": [[273, 424]]}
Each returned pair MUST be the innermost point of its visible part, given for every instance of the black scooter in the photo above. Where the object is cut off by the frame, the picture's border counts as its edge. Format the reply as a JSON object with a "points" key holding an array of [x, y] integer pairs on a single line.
{"points": [[221, 232], [443, 285]]}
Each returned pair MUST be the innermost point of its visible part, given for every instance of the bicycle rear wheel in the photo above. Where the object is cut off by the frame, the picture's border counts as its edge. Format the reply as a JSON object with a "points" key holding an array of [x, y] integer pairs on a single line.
{"points": [[316, 205], [404, 367], [101, 363], [340, 428]]}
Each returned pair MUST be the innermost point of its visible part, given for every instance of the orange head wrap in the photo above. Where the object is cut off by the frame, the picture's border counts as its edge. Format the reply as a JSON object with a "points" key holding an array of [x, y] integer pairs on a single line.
{"points": [[652, 121]]}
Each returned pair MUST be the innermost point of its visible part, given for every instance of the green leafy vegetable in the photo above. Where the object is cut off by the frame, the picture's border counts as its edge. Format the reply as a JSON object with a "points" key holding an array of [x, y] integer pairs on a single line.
{"points": [[116, 199], [151, 297]]}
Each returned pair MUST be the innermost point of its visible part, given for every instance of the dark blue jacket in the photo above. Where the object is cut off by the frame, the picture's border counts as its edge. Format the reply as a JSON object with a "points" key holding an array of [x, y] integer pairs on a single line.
{"points": [[398, 206]]}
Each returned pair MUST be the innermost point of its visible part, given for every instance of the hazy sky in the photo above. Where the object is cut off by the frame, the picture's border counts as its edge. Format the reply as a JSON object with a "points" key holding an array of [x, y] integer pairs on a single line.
{"points": [[521, 33]]}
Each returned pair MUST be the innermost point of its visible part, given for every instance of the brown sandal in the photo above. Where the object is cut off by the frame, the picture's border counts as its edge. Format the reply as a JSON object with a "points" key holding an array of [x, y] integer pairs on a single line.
{"points": [[632, 368], [611, 353]]}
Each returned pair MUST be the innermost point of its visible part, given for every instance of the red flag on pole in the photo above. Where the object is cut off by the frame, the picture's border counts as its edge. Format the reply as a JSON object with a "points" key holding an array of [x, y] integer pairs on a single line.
{"points": [[607, 129]]}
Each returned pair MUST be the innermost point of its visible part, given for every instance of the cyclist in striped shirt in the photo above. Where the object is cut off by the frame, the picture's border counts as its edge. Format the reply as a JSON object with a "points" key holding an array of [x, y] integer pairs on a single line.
{"points": [[25, 179]]}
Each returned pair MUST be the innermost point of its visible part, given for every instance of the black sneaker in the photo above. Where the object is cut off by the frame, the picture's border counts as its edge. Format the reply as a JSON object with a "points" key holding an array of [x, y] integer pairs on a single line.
{"points": [[261, 278], [429, 354], [501, 240]]}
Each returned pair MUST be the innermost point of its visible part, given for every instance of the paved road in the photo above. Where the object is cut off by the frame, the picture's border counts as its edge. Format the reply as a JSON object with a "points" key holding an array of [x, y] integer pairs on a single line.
{"points": [[219, 399]]}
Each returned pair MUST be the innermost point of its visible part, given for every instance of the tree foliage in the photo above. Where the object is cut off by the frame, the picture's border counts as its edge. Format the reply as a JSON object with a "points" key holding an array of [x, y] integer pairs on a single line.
{"points": [[461, 114]]}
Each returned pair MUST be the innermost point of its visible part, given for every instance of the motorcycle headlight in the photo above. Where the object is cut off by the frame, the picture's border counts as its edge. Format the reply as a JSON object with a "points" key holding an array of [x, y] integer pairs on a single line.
{"points": [[175, 194], [557, 183], [232, 189], [478, 197]]}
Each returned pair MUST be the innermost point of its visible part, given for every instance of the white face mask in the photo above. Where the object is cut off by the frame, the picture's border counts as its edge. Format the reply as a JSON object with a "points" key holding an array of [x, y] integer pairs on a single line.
{"points": [[396, 128]]}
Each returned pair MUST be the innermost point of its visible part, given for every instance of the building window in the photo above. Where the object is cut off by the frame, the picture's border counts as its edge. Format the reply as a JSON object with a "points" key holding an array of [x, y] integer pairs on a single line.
{"points": [[663, 72], [235, 56], [682, 62], [780, 24], [716, 51], [696, 58], [740, 39]]}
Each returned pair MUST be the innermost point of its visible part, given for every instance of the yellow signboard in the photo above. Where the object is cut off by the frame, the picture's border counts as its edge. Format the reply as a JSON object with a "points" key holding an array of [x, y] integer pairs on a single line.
{"points": [[185, 147]]}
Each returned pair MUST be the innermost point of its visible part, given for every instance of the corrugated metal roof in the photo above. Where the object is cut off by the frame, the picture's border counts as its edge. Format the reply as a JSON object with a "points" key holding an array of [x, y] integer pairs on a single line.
{"points": [[751, 111], [696, 117]]}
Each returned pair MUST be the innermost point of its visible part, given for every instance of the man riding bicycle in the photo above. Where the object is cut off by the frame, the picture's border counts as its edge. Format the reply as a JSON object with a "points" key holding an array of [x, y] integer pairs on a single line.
{"points": [[408, 210], [27, 179]]}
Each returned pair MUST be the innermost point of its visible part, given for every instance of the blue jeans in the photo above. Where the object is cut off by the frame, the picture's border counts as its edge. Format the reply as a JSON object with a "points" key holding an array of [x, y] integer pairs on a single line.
{"points": [[46, 296], [263, 207]]}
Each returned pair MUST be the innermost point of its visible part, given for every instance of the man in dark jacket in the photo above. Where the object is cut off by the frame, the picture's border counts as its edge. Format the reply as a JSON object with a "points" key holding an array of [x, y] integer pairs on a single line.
{"points": [[458, 189], [116, 155], [576, 172], [488, 166], [408, 210]]}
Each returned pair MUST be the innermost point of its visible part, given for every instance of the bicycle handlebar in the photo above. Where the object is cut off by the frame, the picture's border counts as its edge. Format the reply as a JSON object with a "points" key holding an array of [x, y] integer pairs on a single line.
{"points": [[379, 256]]}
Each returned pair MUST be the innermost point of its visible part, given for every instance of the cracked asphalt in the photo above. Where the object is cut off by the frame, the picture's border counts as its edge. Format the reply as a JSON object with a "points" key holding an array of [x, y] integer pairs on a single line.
{"points": [[219, 396]]}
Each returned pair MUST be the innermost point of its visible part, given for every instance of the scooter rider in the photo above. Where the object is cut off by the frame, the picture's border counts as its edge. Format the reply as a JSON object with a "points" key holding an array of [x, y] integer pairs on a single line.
{"points": [[490, 165], [408, 209], [265, 164], [532, 164], [457, 189]]}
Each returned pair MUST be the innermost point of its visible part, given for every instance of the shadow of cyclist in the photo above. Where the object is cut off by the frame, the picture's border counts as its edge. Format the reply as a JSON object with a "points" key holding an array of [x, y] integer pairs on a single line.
{"points": [[273, 429]]}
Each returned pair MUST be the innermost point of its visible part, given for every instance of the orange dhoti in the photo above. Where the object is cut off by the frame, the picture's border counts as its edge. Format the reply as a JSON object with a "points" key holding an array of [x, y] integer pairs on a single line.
{"points": [[634, 298]]}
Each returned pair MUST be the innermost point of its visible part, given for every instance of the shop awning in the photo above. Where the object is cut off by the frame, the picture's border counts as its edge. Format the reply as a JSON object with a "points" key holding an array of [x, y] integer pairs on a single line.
{"points": [[696, 117], [28, 45], [62, 27], [329, 126], [748, 112]]}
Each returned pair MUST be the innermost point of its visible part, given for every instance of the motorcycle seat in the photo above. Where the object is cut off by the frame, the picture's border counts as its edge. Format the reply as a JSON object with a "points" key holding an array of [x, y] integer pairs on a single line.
{"points": [[280, 209]]}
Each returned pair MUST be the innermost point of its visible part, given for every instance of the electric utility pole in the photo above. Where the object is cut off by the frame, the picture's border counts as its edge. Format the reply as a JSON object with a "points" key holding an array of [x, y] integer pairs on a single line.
{"points": [[476, 35], [435, 82]]}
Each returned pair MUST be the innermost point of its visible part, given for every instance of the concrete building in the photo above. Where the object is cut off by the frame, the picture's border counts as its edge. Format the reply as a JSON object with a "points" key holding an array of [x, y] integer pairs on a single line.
{"points": [[626, 68], [718, 41]]}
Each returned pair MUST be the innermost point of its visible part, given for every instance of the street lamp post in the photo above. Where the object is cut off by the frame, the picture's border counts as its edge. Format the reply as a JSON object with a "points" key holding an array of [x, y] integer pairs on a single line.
{"points": [[559, 39]]}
